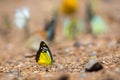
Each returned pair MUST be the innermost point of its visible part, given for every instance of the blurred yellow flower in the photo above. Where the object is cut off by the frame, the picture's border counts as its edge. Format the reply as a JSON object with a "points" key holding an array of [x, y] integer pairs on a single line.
{"points": [[69, 6]]}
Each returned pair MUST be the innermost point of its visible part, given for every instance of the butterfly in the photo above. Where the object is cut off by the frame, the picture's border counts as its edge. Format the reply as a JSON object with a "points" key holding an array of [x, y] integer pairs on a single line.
{"points": [[69, 6], [44, 56], [50, 27]]}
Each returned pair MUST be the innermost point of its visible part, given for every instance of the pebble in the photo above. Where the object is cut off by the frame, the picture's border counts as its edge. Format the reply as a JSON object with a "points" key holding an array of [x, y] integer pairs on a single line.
{"points": [[93, 53], [53, 69], [15, 72], [104, 62], [47, 76], [93, 65], [89, 44], [77, 44], [61, 67], [10, 62], [63, 77], [67, 50]]}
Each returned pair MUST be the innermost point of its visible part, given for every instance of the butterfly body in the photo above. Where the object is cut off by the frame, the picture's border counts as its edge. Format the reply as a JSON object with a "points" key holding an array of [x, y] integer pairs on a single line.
{"points": [[44, 56]]}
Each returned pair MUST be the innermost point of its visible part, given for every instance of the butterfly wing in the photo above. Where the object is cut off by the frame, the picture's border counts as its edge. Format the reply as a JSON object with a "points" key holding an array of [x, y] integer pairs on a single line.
{"points": [[44, 56]]}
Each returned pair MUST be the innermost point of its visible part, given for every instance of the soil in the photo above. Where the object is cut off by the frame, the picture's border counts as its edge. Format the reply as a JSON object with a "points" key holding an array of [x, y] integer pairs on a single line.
{"points": [[69, 59]]}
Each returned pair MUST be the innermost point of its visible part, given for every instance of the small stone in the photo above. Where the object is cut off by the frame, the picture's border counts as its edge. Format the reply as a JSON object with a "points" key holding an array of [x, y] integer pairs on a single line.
{"points": [[47, 75], [67, 50], [47, 70], [61, 67], [63, 77], [10, 62], [53, 69], [93, 53], [89, 44], [76, 70], [93, 65], [77, 44], [15, 72], [104, 62], [35, 72]]}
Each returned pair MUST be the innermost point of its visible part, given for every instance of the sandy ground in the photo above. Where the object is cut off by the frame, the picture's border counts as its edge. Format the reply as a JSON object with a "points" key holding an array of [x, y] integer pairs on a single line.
{"points": [[69, 60]]}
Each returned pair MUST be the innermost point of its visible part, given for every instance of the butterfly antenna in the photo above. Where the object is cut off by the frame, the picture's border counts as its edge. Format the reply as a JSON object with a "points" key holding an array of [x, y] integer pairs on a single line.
{"points": [[30, 56]]}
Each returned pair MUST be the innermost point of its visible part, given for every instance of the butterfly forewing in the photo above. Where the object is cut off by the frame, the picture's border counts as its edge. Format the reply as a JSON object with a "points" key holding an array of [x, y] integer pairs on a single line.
{"points": [[44, 56]]}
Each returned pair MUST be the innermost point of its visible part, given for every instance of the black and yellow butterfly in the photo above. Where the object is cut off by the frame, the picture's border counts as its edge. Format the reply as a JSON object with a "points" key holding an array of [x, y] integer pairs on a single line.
{"points": [[44, 56]]}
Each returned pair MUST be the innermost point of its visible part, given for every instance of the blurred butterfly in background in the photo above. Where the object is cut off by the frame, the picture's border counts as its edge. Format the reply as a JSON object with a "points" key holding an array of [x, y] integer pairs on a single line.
{"points": [[22, 16], [97, 23], [69, 6], [50, 27], [47, 34], [44, 56], [70, 28]]}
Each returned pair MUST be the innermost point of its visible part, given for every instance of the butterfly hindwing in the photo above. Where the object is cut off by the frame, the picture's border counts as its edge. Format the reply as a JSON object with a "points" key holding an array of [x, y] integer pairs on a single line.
{"points": [[44, 56]]}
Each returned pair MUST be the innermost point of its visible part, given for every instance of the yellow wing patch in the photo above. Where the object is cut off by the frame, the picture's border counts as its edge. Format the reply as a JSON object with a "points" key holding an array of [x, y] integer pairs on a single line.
{"points": [[44, 59]]}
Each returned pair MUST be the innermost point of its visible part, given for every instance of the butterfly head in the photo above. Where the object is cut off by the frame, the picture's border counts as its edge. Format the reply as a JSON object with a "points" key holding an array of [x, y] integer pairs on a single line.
{"points": [[43, 46]]}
